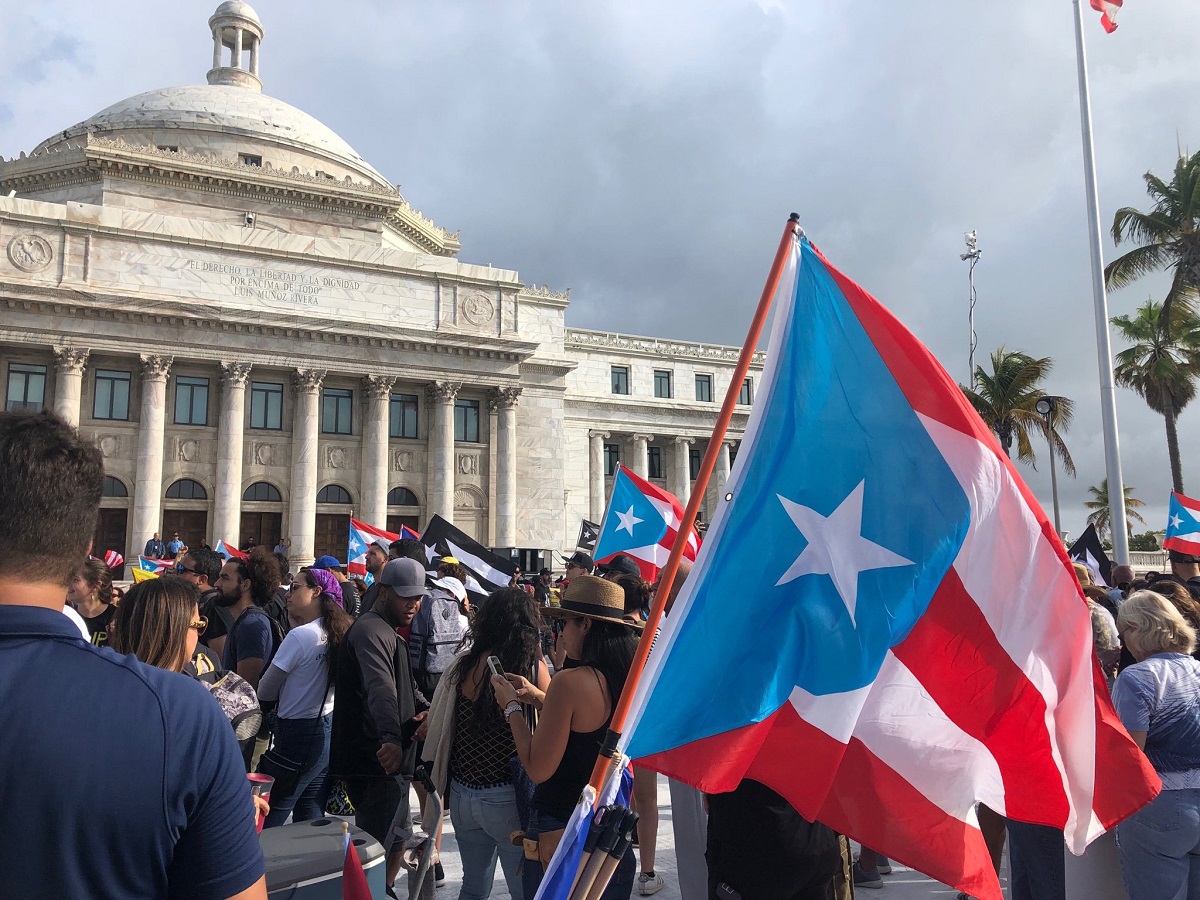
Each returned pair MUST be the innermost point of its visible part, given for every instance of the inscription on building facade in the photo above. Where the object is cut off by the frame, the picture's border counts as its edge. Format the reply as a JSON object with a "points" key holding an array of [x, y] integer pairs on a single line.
{"points": [[275, 286]]}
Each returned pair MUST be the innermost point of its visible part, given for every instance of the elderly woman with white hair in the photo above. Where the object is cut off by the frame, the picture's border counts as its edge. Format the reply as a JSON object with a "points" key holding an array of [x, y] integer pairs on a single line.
{"points": [[1158, 699]]}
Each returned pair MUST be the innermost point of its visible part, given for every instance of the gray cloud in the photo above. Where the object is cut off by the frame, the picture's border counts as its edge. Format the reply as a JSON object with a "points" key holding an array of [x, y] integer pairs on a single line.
{"points": [[647, 155]]}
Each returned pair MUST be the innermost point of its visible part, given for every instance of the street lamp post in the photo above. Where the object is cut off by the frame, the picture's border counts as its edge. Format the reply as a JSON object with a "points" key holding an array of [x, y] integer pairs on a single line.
{"points": [[1047, 406]]}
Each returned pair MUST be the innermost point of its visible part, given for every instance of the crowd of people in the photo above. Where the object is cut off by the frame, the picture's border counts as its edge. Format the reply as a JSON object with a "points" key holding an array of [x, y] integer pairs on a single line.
{"points": [[338, 689]]}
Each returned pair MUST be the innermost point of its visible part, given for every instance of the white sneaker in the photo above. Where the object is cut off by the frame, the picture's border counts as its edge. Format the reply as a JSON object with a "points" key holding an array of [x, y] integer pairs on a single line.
{"points": [[650, 884]]}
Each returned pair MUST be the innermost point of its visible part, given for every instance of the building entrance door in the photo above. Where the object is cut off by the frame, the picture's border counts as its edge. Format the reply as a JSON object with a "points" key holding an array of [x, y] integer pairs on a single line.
{"points": [[111, 527], [333, 536], [265, 528], [192, 525]]}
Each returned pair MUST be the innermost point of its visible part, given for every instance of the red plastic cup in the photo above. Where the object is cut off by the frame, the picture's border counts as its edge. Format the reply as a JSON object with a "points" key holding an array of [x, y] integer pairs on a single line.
{"points": [[260, 786]]}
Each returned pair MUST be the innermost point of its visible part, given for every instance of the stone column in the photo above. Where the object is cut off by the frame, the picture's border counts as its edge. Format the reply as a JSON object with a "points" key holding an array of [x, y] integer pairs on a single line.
{"points": [[253, 55], [216, 48], [683, 468], [236, 62], [504, 402], [596, 471], [227, 510], [723, 466], [441, 396], [375, 450], [641, 454], [68, 383], [303, 513], [148, 487]]}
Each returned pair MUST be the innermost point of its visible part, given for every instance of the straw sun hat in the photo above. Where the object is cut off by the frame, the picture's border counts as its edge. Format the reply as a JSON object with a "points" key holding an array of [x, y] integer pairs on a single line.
{"points": [[594, 598]]}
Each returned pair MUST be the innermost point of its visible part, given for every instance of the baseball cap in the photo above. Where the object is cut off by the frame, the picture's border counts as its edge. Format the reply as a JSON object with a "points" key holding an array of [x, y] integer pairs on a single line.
{"points": [[452, 586], [581, 559], [622, 565], [326, 562], [1180, 557], [382, 545], [404, 576]]}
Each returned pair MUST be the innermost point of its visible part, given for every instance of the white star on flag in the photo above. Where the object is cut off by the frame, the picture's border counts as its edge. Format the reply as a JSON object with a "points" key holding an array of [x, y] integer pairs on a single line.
{"points": [[836, 547], [628, 520], [1176, 521]]}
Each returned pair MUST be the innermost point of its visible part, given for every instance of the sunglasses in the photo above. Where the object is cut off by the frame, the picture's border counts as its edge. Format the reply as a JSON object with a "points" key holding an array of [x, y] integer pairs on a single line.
{"points": [[301, 584], [181, 569], [199, 625]]}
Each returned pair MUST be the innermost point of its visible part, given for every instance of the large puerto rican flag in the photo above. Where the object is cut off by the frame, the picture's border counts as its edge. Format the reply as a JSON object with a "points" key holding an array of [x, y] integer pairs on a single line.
{"points": [[641, 522], [882, 626], [1183, 525]]}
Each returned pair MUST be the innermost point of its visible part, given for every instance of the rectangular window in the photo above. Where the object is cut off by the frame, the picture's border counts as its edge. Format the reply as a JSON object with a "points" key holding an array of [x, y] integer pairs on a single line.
{"points": [[249, 159], [746, 394], [662, 384], [266, 405], [620, 379], [112, 395], [466, 421], [26, 387], [402, 416], [704, 388], [612, 457], [336, 405], [191, 400], [695, 457], [654, 461]]}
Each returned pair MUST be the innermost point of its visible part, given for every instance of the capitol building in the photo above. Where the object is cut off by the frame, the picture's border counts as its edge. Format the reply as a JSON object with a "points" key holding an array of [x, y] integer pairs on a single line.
{"points": [[263, 337]]}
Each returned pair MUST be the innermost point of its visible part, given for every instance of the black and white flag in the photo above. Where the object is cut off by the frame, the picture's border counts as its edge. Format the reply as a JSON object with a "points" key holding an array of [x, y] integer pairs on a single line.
{"points": [[1089, 551], [492, 572], [589, 532]]}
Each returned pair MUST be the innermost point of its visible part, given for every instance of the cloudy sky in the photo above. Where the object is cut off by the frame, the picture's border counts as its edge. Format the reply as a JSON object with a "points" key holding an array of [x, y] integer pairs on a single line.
{"points": [[646, 154]]}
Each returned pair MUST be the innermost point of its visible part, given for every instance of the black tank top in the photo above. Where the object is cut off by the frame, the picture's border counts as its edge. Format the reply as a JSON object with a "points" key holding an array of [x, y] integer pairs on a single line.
{"points": [[559, 793]]}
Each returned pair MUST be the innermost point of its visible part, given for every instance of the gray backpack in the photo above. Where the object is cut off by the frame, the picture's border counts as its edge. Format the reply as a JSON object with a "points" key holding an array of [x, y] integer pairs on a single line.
{"points": [[441, 631]]}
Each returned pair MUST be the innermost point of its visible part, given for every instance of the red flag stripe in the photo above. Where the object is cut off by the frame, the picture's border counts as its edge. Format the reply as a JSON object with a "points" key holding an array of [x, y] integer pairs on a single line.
{"points": [[954, 653]]}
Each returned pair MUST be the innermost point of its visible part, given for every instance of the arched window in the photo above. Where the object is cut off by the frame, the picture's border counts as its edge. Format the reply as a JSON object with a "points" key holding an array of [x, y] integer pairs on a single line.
{"points": [[333, 493], [402, 496], [186, 489], [262, 490], [114, 487]]}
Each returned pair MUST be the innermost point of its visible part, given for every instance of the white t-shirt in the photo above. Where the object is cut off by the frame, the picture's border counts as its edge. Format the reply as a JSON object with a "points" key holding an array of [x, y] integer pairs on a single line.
{"points": [[307, 691]]}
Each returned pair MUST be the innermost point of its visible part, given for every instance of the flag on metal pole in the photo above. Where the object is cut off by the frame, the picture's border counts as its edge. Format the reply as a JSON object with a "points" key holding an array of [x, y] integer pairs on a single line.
{"points": [[1108, 10], [1183, 525], [912, 630], [641, 522], [1090, 551]]}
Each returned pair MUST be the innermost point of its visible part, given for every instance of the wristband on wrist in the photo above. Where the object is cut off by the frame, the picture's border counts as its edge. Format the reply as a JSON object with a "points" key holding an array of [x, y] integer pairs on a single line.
{"points": [[512, 707]]}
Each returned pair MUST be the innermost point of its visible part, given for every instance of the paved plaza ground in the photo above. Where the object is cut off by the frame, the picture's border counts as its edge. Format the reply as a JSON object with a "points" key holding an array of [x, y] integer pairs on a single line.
{"points": [[902, 884]]}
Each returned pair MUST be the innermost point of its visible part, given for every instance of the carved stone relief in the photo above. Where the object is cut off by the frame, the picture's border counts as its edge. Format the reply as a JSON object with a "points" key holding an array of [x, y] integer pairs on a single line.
{"points": [[402, 461], [468, 464], [187, 450], [30, 252]]}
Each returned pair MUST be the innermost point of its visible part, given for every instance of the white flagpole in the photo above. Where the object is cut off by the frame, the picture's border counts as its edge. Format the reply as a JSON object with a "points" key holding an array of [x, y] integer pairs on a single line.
{"points": [[1108, 399]]}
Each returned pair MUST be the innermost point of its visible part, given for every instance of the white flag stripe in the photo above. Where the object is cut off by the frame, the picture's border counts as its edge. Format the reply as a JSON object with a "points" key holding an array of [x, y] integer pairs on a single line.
{"points": [[478, 566], [903, 726], [1016, 578]]}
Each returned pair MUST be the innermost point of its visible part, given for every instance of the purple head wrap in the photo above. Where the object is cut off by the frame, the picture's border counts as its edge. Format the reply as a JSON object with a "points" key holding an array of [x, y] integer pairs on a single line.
{"points": [[328, 584]]}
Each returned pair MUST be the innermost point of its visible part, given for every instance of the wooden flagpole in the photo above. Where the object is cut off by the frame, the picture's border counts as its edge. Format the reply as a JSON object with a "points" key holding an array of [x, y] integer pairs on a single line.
{"points": [[667, 576]]}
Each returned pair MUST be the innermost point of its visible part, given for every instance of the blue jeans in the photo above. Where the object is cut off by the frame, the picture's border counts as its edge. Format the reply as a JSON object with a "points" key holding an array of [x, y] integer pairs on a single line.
{"points": [[1160, 848], [619, 888], [484, 820], [299, 762]]}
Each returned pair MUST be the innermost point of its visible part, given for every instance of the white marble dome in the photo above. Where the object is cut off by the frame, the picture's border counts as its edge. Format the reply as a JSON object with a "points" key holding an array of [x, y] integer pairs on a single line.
{"points": [[216, 118], [237, 8]]}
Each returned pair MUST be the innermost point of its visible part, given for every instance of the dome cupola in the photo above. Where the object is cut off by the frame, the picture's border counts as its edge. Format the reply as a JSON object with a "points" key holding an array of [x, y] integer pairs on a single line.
{"points": [[236, 27]]}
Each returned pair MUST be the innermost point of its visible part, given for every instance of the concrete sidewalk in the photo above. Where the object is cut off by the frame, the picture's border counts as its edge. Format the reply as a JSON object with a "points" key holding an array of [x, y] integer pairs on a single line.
{"points": [[902, 884]]}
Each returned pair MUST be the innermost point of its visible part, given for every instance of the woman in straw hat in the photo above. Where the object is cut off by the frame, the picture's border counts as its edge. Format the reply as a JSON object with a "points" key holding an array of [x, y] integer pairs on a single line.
{"points": [[576, 711]]}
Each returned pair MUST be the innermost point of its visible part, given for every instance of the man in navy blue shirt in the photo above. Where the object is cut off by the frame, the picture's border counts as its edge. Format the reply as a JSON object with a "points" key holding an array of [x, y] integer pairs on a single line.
{"points": [[159, 806], [244, 587]]}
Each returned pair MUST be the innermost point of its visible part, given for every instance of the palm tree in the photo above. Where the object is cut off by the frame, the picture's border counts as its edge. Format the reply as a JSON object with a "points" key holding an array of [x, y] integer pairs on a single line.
{"points": [[1162, 366], [1099, 505], [1006, 400], [1169, 235]]}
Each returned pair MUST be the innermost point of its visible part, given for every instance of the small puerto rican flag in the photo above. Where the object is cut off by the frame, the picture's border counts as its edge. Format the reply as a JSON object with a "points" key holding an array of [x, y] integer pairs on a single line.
{"points": [[1183, 525], [1108, 12], [229, 551], [157, 566], [641, 522]]}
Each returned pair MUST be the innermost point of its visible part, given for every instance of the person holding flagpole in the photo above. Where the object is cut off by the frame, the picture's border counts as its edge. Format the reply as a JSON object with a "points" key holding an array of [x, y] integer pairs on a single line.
{"points": [[576, 711]]}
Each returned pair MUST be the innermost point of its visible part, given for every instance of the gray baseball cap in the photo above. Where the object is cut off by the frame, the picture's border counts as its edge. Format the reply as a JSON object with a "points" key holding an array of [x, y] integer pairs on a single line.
{"points": [[404, 576]]}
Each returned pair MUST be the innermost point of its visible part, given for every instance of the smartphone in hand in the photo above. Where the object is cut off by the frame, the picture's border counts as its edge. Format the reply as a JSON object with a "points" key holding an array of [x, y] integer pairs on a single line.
{"points": [[494, 664]]}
